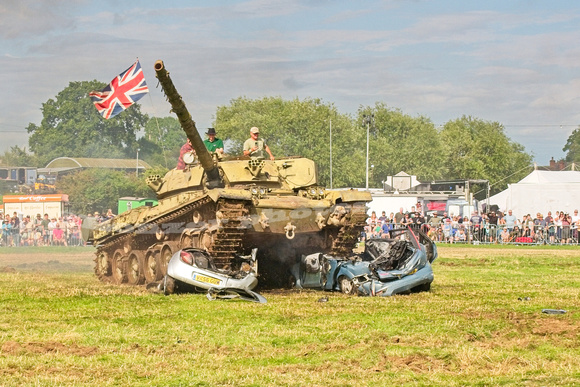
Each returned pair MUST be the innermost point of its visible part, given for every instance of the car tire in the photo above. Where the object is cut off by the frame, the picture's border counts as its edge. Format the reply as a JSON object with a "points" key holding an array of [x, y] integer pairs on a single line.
{"points": [[346, 285], [168, 285]]}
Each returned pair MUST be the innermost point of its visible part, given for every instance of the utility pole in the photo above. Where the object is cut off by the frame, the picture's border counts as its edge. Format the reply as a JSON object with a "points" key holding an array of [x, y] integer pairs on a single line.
{"points": [[137, 166], [368, 119], [330, 153]]}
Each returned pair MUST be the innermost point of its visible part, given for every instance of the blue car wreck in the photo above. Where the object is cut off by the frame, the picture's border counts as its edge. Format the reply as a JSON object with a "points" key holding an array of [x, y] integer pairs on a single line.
{"points": [[398, 264]]}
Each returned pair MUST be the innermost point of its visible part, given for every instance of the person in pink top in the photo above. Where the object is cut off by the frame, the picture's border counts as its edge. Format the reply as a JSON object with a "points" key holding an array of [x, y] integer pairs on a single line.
{"points": [[58, 236]]}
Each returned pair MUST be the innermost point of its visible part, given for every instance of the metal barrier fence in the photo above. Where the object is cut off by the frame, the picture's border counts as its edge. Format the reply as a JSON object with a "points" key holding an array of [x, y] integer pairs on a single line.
{"points": [[446, 233], [494, 234], [525, 234], [38, 237]]}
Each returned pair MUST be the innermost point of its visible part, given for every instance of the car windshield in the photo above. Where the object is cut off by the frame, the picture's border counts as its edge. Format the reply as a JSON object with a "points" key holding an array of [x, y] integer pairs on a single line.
{"points": [[405, 234]]}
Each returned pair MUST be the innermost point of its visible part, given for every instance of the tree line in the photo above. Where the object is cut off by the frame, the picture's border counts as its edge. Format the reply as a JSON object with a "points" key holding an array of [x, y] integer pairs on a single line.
{"points": [[463, 148]]}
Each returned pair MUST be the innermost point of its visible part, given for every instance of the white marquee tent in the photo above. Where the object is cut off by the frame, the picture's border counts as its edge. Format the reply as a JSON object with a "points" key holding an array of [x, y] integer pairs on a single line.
{"points": [[541, 191]]}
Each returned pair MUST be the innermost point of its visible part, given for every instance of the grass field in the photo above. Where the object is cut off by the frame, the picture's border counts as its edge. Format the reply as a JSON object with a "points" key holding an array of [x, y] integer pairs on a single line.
{"points": [[60, 326]]}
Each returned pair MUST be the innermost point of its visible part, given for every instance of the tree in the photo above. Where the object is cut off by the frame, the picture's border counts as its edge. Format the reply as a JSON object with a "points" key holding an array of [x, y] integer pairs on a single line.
{"points": [[294, 128], [71, 126], [162, 141], [477, 149], [99, 189], [16, 157], [399, 142], [573, 146]]}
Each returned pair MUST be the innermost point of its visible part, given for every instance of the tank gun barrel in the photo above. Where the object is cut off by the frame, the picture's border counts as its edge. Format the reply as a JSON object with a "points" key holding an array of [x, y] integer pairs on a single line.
{"points": [[187, 123]]}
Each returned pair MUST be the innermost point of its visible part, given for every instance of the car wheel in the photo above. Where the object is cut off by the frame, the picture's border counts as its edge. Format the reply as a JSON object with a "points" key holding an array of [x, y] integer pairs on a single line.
{"points": [[346, 285], [168, 285]]}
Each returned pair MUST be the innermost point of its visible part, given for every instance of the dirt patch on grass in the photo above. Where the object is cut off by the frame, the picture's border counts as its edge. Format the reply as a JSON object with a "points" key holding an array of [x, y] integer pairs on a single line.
{"points": [[471, 252], [17, 349], [47, 260], [555, 326]]}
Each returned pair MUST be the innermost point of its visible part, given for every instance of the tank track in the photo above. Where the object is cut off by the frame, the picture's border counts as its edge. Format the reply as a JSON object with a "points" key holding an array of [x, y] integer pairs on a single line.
{"points": [[227, 241], [129, 257], [347, 237]]}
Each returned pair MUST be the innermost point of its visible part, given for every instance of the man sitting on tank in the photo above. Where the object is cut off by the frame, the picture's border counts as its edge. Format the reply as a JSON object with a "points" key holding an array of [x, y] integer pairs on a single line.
{"points": [[185, 149], [255, 147], [213, 144]]}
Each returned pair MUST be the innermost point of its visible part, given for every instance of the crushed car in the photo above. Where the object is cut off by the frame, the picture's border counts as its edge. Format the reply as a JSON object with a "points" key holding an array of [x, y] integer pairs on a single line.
{"points": [[397, 264], [193, 269]]}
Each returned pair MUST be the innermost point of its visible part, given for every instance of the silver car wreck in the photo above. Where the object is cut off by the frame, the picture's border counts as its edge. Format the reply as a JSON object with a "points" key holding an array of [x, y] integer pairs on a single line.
{"points": [[193, 269], [398, 264]]}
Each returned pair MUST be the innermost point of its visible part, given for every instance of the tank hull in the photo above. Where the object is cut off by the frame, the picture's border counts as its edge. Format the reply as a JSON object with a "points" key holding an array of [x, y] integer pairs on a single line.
{"points": [[136, 246]]}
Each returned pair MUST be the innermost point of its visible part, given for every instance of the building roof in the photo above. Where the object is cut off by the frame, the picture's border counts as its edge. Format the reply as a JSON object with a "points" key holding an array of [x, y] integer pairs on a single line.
{"points": [[62, 164]]}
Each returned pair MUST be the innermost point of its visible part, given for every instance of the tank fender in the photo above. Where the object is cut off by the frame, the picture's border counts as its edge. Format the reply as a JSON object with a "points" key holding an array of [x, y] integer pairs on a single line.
{"points": [[235, 194], [350, 195]]}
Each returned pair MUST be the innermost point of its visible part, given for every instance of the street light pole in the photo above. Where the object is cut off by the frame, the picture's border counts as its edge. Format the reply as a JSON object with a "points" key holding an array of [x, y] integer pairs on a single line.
{"points": [[137, 166], [368, 120], [331, 154]]}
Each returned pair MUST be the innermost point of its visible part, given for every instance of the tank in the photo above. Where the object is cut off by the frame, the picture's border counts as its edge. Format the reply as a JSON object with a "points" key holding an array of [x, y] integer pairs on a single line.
{"points": [[228, 207]]}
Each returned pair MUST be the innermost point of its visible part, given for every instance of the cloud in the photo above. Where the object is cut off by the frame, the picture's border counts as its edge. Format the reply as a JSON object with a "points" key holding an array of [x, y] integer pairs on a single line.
{"points": [[292, 84], [266, 8], [29, 18], [517, 66]]}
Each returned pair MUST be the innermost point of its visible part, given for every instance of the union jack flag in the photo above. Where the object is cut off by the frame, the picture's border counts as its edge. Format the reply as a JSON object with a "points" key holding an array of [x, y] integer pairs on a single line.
{"points": [[123, 91]]}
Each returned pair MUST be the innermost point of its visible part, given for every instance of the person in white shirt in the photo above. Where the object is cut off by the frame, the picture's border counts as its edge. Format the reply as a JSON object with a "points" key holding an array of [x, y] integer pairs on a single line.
{"points": [[510, 220]]}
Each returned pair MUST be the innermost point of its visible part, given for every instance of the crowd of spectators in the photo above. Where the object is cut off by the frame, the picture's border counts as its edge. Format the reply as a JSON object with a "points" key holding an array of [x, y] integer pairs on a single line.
{"points": [[41, 230], [490, 227]]}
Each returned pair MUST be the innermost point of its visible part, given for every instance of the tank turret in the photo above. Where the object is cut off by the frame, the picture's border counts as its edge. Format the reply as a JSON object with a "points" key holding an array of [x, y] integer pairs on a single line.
{"points": [[188, 125], [229, 208]]}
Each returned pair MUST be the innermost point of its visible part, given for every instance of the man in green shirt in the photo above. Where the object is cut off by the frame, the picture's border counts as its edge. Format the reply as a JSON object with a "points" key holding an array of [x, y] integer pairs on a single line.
{"points": [[213, 144], [45, 230]]}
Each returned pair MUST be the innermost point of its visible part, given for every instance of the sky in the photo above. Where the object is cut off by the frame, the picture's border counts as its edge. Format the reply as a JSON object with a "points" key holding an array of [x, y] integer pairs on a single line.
{"points": [[513, 62]]}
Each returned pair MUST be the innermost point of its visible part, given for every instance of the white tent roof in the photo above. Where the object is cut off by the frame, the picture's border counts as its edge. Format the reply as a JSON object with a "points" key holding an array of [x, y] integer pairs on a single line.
{"points": [[541, 191], [547, 177]]}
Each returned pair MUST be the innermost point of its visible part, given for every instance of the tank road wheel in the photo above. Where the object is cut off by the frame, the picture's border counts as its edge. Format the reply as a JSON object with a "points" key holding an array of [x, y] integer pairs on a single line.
{"points": [[119, 267], [151, 268], [136, 270], [205, 240], [187, 240], [165, 257], [346, 285], [102, 265]]}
